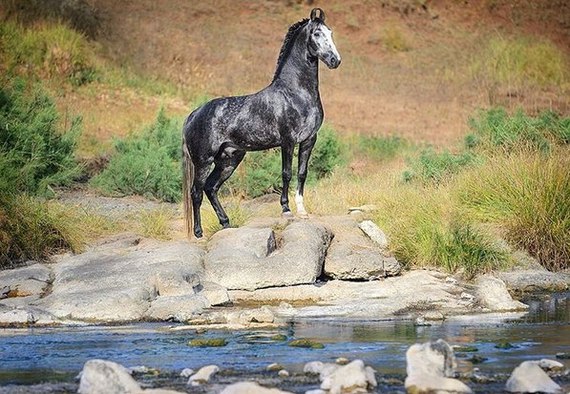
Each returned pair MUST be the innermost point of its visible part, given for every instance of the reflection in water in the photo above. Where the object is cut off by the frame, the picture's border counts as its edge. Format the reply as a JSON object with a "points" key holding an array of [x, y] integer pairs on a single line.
{"points": [[58, 354]]}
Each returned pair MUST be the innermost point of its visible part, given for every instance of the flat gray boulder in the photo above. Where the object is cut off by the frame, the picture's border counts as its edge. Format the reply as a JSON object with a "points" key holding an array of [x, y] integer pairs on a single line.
{"points": [[118, 283], [29, 281], [252, 258], [353, 255]]}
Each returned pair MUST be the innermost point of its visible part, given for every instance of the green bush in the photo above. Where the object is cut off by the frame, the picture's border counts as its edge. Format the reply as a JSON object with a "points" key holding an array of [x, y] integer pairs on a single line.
{"points": [[436, 167], [36, 152], [260, 172], [383, 148], [494, 130], [32, 229], [146, 164]]}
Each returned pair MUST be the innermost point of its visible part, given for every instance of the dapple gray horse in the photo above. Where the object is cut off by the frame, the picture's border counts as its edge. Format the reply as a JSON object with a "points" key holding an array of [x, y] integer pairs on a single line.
{"points": [[286, 113]]}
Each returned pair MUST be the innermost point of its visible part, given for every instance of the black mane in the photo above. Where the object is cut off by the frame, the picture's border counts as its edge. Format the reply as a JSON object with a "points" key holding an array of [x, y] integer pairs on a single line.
{"points": [[288, 42]]}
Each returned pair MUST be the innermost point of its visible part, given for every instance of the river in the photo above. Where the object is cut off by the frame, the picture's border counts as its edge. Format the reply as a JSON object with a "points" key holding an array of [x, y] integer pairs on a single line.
{"points": [[49, 359]]}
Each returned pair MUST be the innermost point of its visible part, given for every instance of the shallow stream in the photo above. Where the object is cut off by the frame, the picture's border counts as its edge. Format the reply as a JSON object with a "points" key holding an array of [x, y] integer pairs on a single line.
{"points": [[49, 359]]}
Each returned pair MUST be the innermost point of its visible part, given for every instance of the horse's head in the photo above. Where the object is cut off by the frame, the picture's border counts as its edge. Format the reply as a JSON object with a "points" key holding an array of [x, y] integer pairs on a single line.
{"points": [[321, 44]]}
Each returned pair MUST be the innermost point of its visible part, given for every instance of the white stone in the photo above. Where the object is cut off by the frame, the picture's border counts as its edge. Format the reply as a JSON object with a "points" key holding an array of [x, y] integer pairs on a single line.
{"points": [[374, 232], [283, 373], [250, 388], [247, 258], [350, 378], [187, 372], [101, 376], [429, 366], [203, 375], [528, 377], [320, 368]]}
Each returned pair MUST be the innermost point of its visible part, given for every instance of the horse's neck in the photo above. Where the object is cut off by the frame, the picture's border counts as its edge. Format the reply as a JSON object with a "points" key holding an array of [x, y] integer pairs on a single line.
{"points": [[299, 73]]}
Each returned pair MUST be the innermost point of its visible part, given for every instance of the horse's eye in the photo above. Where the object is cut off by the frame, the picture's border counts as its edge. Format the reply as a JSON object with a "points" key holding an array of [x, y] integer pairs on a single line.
{"points": [[317, 34]]}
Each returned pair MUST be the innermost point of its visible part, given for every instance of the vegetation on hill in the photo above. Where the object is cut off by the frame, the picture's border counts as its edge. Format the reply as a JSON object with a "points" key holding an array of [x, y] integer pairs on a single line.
{"points": [[393, 138]]}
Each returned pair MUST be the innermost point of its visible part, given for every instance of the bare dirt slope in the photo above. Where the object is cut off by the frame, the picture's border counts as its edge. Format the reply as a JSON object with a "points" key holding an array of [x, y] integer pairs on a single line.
{"points": [[407, 65]]}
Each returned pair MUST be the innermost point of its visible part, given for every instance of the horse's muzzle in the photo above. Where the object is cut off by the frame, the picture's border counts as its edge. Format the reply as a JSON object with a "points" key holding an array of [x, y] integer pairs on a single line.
{"points": [[333, 62]]}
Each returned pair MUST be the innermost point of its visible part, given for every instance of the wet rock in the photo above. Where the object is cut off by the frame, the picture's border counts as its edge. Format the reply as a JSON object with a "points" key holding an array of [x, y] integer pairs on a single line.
{"points": [[504, 345], [306, 343], [529, 377], [433, 316], [283, 373], [465, 348], [208, 342], [353, 256], [250, 388], [342, 361], [320, 368], [203, 375], [274, 367], [550, 365], [247, 258], [101, 376], [350, 378], [215, 294], [493, 294], [429, 369], [187, 372], [260, 315], [143, 370], [535, 280]]}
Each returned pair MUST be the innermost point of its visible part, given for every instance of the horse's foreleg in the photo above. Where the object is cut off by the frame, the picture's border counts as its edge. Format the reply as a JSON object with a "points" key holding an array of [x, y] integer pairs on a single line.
{"points": [[286, 173], [197, 194], [222, 171], [305, 149]]}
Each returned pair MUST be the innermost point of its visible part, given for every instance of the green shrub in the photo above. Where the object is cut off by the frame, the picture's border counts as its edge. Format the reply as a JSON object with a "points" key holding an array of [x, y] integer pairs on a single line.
{"points": [[495, 129], [36, 152], [383, 148], [49, 51], [146, 164], [436, 167], [528, 195], [260, 172]]}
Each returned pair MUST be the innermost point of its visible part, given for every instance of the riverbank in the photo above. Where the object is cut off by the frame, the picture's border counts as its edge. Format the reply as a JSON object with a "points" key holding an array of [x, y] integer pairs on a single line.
{"points": [[264, 273]]}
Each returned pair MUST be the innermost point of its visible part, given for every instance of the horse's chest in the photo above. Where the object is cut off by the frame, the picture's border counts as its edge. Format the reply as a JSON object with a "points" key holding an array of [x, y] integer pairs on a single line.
{"points": [[307, 124]]}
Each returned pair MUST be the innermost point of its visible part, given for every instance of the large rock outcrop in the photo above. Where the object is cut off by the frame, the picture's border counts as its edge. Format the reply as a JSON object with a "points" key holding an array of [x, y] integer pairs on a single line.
{"points": [[252, 258]]}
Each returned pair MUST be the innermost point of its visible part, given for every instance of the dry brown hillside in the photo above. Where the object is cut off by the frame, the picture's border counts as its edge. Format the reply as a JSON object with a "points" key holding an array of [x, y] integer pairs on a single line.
{"points": [[409, 66], [406, 67]]}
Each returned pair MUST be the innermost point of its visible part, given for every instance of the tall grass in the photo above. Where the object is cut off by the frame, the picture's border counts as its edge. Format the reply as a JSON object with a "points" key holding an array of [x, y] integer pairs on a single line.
{"points": [[521, 61], [50, 51], [527, 194], [426, 229], [35, 229]]}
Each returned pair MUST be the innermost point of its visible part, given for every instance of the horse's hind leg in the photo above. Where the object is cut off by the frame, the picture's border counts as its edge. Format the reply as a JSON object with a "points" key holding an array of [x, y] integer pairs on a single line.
{"points": [[226, 163], [197, 193]]}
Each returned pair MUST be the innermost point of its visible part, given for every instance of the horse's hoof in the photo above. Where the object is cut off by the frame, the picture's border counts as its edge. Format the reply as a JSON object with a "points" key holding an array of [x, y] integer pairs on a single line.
{"points": [[288, 215]]}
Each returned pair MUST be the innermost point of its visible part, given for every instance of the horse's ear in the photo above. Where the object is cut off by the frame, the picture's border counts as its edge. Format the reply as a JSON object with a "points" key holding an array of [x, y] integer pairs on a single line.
{"points": [[314, 15]]}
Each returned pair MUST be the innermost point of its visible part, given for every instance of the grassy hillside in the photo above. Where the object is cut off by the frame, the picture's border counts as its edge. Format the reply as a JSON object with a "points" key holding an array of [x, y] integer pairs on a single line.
{"points": [[397, 113]]}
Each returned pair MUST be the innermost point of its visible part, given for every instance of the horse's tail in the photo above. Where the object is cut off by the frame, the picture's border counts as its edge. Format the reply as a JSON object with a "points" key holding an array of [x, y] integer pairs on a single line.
{"points": [[187, 181]]}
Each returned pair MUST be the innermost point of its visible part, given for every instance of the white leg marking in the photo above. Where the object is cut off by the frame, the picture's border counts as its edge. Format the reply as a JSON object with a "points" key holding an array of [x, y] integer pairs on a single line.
{"points": [[300, 207]]}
